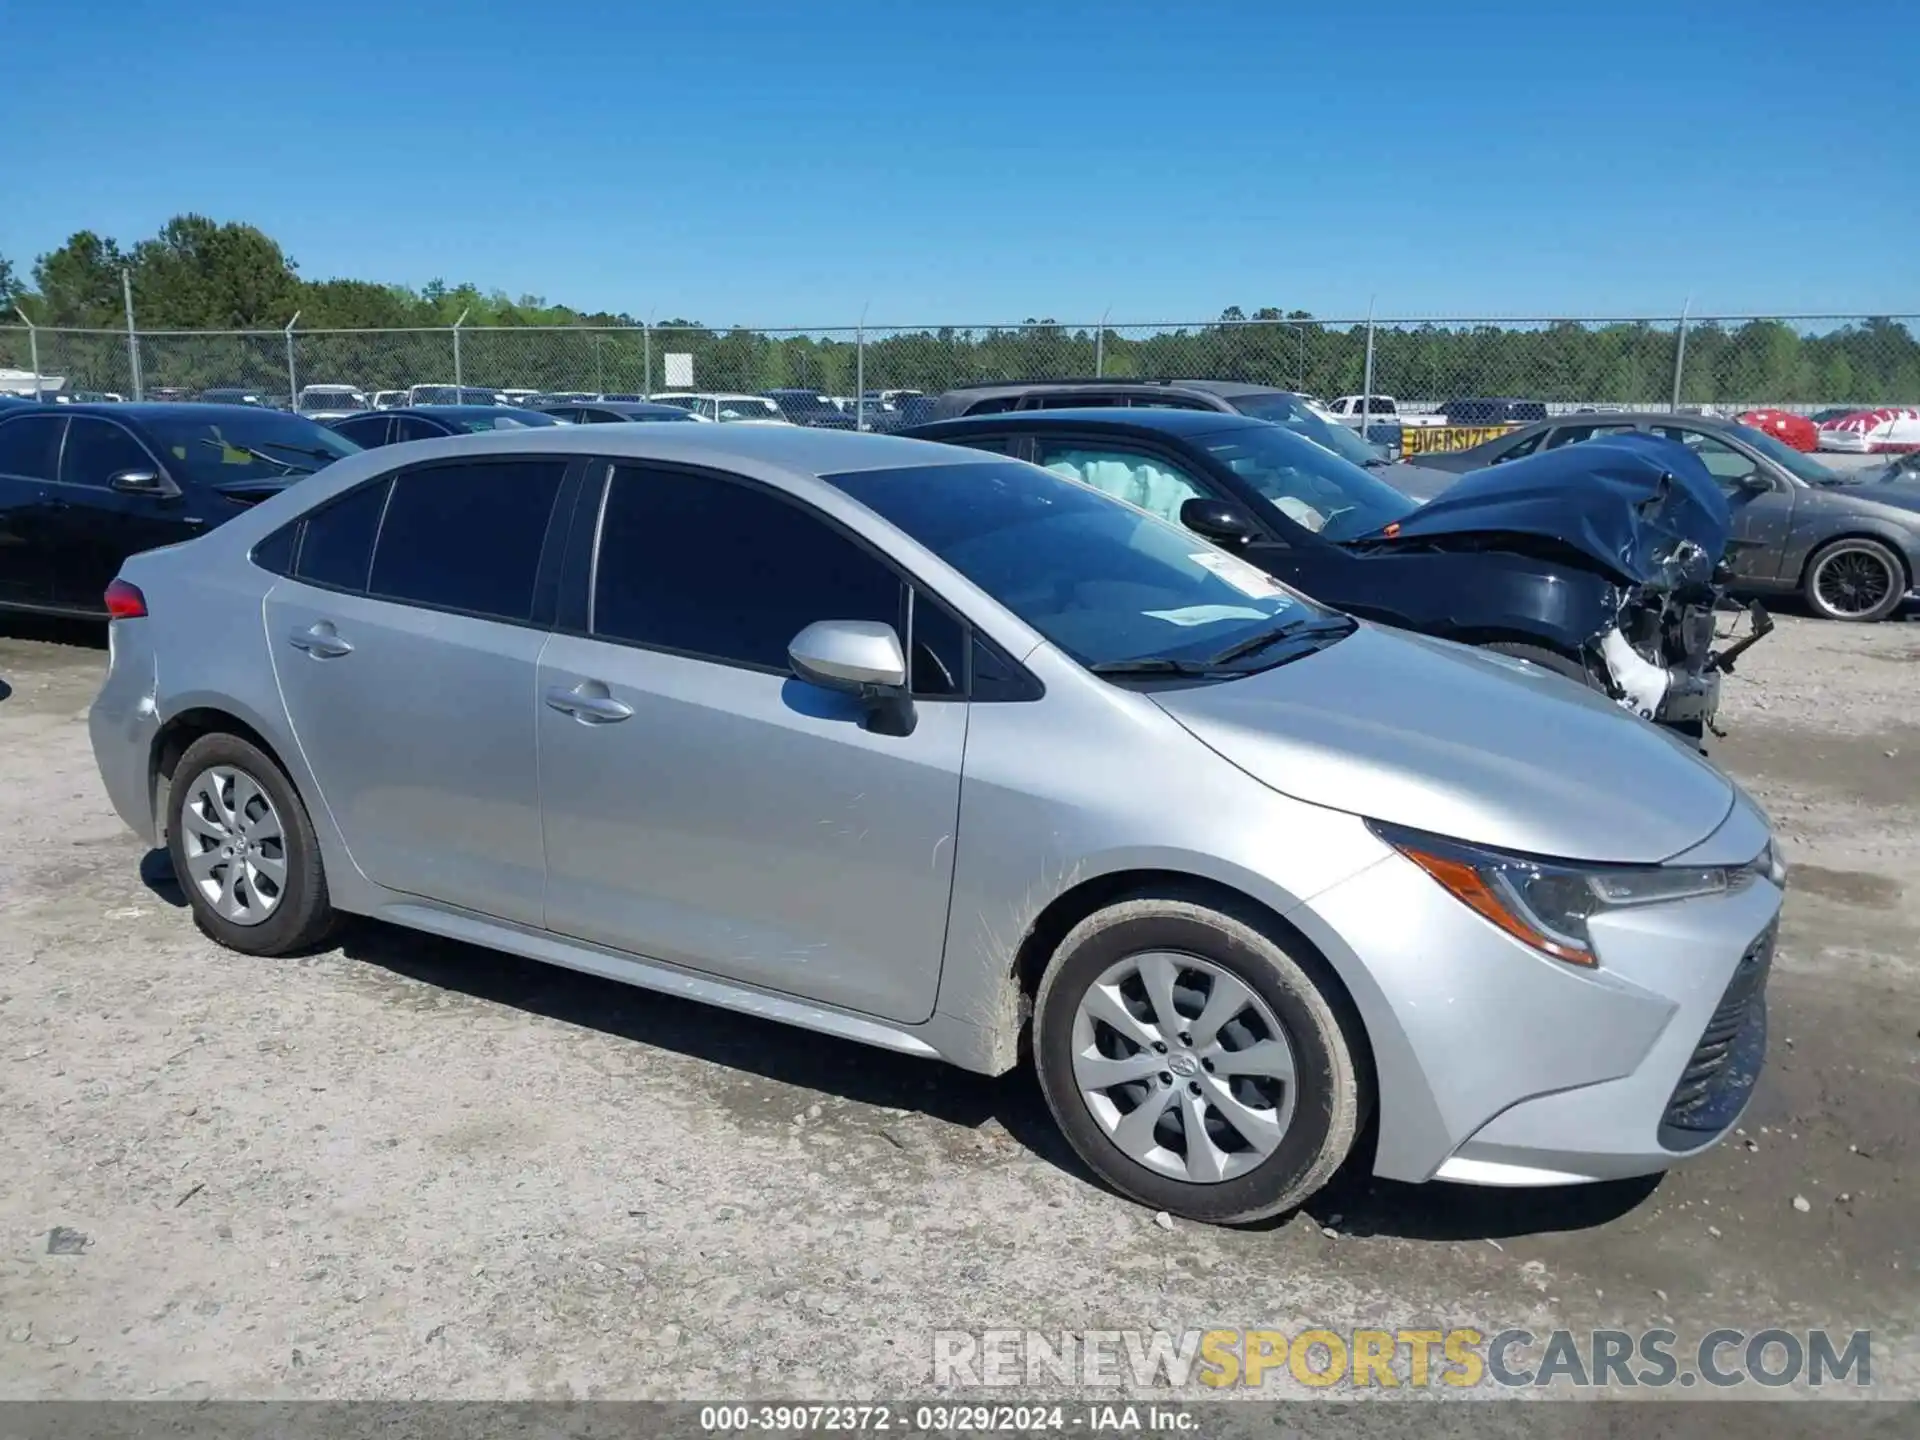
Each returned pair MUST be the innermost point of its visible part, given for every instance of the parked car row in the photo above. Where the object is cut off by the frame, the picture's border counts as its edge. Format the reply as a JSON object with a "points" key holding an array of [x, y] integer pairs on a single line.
{"points": [[1105, 784]]}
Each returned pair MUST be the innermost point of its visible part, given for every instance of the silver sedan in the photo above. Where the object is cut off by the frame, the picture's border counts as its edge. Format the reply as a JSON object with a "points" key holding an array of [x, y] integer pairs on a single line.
{"points": [[956, 756]]}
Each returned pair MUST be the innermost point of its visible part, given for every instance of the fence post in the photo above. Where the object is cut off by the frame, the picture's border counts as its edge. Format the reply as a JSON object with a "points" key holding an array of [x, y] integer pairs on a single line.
{"points": [[33, 350], [1100, 346], [133, 339], [293, 383], [1680, 353], [860, 372], [1303, 357], [458, 379], [646, 351], [1366, 385]]}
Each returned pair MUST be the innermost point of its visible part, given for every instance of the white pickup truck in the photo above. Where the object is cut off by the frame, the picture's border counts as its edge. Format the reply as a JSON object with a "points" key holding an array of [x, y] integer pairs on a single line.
{"points": [[1379, 409]]}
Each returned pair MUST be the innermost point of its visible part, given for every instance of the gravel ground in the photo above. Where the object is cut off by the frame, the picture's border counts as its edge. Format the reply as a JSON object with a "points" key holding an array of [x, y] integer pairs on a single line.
{"points": [[409, 1168]]}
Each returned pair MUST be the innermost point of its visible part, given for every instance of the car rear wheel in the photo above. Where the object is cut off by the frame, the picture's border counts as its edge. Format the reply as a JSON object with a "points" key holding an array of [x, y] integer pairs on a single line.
{"points": [[244, 850], [1193, 1063], [1855, 579]]}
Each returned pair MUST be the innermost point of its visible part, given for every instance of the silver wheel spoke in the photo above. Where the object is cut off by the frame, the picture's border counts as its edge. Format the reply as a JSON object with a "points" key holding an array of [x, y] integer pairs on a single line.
{"points": [[274, 870], [267, 827], [1103, 1003], [200, 865], [1226, 999], [245, 792], [1157, 974], [1098, 1072], [1261, 1129], [1134, 1133], [194, 823], [1272, 1058], [229, 902], [1205, 1163]]}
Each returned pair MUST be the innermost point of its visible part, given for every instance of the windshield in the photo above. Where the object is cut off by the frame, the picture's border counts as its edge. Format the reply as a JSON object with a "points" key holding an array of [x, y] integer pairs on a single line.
{"points": [[263, 445], [1290, 411], [1792, 460], [1103, 581], [1305, 483], [333, 400], [748, 408], [433, 395]]}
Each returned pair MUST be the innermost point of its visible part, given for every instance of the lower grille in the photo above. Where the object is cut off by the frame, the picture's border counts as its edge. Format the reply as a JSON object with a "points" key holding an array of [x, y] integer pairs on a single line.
{"points": [[1725, 1065]]}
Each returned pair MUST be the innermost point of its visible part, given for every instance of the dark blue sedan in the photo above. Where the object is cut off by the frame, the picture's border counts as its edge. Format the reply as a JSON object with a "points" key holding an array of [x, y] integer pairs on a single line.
{"points": [[374, 428]]}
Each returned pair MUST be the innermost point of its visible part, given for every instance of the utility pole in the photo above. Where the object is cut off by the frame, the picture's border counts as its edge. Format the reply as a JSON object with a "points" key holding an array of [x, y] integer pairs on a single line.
{"points": [[133, 339]]}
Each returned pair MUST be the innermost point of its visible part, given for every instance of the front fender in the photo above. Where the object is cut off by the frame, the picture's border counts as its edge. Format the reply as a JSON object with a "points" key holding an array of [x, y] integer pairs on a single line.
{"points": [[1485, 596]]}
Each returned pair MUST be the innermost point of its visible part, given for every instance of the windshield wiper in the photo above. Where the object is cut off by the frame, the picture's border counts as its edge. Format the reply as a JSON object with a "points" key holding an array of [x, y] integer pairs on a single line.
{"points": [[1329, 625], [1155, 665], [286, 466], [318, 454]]}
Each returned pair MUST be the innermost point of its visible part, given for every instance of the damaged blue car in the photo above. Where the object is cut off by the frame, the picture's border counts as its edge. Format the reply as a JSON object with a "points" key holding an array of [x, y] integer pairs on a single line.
{"points": [[1602, 562]]}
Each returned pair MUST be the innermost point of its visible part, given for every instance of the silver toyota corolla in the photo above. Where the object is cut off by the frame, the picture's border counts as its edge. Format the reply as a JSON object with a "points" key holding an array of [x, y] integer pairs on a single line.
{"points": [[956, 756]]}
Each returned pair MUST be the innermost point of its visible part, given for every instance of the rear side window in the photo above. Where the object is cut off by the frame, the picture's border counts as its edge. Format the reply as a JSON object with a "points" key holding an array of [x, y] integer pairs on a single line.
{"points": [[412, 427], [370, 430], [708, 567], [336, 543], [97, 450], [467, 537], [30, 446]]}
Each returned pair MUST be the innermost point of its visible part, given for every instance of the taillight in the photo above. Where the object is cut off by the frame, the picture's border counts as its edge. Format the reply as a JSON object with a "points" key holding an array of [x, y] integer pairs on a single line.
{"points": [[125, 602]]}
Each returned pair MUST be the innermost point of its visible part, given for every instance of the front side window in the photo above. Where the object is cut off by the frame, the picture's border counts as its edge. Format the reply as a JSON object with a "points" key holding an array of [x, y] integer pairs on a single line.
{"points": [[417, 427], [248, 445], [1310, 486], [30, 446], [97, 450], [1155, 485], [726, 571], [1727, 465], [467, 537], [1105, 583], [367, 432], [1574, 434]]}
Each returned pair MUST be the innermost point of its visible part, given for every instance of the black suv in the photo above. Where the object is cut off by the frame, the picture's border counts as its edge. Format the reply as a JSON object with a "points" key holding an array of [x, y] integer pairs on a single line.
{"points": [[1598, 564]]}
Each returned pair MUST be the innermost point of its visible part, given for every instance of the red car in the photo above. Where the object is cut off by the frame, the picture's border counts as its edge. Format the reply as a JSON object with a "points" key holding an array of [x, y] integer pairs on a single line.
{"points": [[1795, 430]]}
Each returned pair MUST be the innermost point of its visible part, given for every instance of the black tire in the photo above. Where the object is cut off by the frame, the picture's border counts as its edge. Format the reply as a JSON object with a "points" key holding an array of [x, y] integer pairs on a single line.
{"points": [[303, 917], [1825, 590], [1330, 1099], [1547, 660]]}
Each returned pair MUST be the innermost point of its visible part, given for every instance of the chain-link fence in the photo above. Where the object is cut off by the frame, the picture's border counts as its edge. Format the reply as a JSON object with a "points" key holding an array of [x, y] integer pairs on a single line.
{"points": [[1795, 362]]}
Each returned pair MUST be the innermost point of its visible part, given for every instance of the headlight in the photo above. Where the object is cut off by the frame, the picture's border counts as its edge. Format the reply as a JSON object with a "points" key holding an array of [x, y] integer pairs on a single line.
{"points": [[1547, 903]]}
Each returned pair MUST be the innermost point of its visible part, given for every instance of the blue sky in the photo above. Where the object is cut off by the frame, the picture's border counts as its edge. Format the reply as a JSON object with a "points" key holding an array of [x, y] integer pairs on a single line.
{"points": [[794, 163]]}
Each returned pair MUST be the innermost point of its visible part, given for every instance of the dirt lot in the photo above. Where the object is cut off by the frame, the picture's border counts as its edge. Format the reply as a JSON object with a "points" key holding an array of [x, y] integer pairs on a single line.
{"points": [[410, 1168]]}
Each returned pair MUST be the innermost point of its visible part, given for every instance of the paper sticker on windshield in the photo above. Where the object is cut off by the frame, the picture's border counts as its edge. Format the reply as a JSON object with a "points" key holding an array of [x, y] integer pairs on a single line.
{"points": [[1247, 579], [1207, 614]]}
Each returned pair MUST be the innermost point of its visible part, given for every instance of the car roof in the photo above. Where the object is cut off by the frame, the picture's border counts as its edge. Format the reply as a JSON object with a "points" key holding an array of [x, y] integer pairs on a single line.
{"points": [[619, 407], [1639, 417], [450, 410], [1140, 420], [798, 449], [154, 409], [1220, 388]]}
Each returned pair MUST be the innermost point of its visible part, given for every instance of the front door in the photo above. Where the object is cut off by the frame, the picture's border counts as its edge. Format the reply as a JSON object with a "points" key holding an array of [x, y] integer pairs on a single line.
{"points": [[408, 673], [1761, 502], [703, 807], [93, 528]]}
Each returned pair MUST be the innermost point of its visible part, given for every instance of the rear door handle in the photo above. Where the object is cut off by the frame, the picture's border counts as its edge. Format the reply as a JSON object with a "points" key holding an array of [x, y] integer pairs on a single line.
{"points": [[588, 702], [320, 641]]}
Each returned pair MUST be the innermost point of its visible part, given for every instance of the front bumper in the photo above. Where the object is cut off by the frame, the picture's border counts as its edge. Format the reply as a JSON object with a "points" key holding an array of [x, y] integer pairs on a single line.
{"points": [[1498, 1065]]}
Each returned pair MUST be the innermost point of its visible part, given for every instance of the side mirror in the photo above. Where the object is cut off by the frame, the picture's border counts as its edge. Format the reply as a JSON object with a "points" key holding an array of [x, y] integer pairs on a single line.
{"points": [[1754, 484], [143, 482], [1220, 521], [861, 658]]}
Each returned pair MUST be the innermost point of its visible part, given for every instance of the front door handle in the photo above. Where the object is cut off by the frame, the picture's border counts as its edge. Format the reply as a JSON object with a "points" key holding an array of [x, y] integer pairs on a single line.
{"points": [[320, 641], [588, 702]]}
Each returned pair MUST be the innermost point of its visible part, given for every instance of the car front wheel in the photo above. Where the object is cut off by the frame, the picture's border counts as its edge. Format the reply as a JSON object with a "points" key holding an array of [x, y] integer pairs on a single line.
{"points": [[1193, 1063]]}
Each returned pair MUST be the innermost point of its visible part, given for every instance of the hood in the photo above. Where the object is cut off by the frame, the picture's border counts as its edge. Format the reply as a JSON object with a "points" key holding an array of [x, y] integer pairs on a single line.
{"points": [[1626, 503], [1902, 495], [1418, 480], [1433, 735]]}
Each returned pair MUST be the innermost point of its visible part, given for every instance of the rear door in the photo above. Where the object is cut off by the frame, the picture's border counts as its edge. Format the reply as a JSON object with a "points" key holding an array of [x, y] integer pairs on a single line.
{"points": [[93, 528], [405, 642], [29, 460]]}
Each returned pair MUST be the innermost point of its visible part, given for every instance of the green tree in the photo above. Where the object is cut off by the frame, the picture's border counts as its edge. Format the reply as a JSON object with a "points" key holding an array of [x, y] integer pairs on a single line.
{"points": [[79, 283]]}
